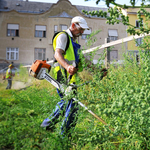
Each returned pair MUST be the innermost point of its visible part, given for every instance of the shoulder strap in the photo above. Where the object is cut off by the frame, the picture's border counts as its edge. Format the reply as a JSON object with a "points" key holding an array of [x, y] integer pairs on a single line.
{"points": [[67, 45]]}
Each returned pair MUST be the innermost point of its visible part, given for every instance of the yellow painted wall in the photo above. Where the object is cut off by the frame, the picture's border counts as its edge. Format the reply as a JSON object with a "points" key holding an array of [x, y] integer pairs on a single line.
{"points": [[132, 20]]}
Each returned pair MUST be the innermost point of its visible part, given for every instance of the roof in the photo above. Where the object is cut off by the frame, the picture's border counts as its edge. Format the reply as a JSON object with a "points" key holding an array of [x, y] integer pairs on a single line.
{"points": [[24, 6], [37, 7]]}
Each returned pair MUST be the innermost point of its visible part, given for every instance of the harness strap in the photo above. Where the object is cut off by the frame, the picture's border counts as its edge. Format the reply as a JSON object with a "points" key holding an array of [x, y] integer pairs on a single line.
{"points": [[67, 45]]}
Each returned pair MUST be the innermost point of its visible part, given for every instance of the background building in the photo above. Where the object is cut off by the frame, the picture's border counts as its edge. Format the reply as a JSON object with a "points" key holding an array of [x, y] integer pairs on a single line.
{"points": [[27, 28], [133, 20]]}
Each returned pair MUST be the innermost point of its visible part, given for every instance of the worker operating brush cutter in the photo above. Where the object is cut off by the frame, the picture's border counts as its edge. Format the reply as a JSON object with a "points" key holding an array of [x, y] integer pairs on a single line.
{"points": [[38, 70], [66, 53]]}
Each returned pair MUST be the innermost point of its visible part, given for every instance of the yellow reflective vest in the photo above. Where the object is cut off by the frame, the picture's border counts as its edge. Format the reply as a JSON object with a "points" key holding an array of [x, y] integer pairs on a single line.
{"points": [[60, 73], [8, 74]]}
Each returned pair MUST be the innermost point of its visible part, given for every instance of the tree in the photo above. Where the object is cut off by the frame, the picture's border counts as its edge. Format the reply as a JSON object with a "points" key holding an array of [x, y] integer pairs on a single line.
{"points": [[132, 2], [113, 16]]}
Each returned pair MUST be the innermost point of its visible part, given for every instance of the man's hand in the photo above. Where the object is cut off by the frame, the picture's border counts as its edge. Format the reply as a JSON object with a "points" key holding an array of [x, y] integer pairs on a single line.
{"points": [[71, 70]]}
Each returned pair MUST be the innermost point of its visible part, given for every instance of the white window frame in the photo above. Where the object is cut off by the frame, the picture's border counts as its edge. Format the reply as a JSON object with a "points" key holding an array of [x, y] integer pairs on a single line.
{"points": [[113, 38], [41, 51], [63, 27], [55, 28], [13, 30], [112, 34], [86, 33], [40, 31], [12, 53]]}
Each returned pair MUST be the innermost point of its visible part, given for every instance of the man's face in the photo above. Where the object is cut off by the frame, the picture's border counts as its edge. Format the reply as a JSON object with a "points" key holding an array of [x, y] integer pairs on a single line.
{"points": [[78, 30]]}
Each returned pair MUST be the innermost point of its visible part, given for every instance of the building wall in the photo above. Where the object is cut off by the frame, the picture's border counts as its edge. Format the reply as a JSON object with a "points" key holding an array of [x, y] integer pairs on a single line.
{"points": [[27, 42], [132, 13]]}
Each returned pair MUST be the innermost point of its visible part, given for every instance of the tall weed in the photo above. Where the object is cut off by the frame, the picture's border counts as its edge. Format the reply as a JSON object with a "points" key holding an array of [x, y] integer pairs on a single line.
{"points": [[122, 99]]}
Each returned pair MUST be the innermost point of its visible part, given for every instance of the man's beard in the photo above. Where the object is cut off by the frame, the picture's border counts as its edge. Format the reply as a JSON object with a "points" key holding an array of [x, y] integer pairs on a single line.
{"points": [[77, 35]]}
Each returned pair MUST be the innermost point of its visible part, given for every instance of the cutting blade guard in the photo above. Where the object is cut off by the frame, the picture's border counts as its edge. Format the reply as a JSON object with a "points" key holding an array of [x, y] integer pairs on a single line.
{"points": [[36, 67]]}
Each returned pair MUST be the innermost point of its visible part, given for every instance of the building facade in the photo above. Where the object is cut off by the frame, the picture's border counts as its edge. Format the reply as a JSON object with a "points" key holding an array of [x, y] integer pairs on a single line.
{"points": [[133, 20], [27, 28]]}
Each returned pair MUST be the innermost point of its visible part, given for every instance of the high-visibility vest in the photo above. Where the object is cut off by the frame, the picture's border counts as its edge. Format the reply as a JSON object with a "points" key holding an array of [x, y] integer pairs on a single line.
{"points": [[60, 73], [8, 75]]}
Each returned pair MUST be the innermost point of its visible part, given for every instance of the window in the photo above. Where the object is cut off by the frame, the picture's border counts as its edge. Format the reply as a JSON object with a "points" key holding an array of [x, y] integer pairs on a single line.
{"points": [[12, 30], [12, 53], [134, 55], [55, 29], [86, 33], [40, 53], [139, 41], [113, 38], [40, 31], [112, 35], [64, 27], [137, 24], [113, 55], [137, 58]]}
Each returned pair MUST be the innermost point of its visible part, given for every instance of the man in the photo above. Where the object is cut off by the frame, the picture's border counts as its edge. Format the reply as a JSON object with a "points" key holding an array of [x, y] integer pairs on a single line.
{"points": [[65, 58], [9, 76]]}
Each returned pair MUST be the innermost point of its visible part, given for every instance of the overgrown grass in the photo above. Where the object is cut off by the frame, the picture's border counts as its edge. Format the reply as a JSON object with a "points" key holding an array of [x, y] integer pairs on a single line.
{"points": [[122, 99]]}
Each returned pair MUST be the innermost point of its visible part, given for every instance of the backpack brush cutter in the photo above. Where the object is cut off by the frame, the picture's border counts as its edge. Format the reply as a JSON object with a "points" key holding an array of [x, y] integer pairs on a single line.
{"points": [[38, 71]]}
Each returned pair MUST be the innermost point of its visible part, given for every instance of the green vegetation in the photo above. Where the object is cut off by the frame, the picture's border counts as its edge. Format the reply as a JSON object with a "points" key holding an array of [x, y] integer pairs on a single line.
{"points": [[115, 15], [122, 99], [132, 2]]}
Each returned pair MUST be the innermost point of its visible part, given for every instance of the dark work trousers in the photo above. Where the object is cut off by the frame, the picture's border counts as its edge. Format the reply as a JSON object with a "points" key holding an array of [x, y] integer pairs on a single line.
{"points": [[68, 109], [9, 84]]}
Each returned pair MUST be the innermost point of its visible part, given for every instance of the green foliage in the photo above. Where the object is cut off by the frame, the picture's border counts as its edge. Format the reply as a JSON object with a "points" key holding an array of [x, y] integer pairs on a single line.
{"points": [[115, 15], [121, 99], [91, 39], [145, 46], [21, 116], [132, 2], [124, 98]]}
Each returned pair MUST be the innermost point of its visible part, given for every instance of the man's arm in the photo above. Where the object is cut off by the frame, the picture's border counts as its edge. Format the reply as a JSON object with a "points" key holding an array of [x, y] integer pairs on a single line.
{"points": [[60, 58]]}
